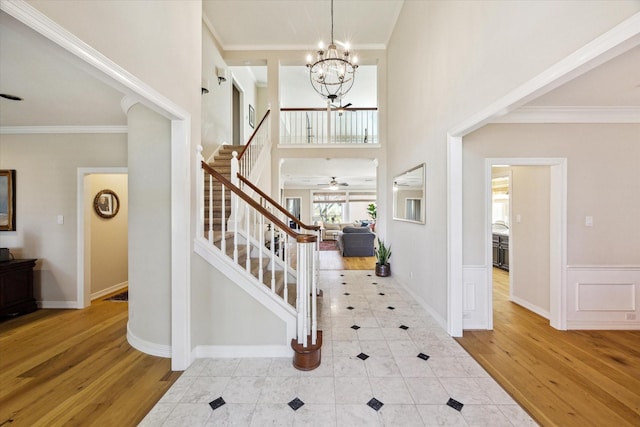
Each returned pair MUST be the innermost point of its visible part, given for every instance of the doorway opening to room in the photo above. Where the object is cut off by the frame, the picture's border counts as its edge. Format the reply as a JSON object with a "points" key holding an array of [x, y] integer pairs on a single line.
{"points": [[526, 208], [103, 234]]}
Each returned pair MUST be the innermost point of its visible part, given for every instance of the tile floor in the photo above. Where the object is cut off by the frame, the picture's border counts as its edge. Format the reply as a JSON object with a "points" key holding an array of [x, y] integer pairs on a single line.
{"points": [[385, 362]]}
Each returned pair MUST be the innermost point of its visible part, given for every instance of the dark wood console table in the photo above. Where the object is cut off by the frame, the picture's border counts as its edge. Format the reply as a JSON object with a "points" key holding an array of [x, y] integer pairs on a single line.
{"points": [[16, 287]]}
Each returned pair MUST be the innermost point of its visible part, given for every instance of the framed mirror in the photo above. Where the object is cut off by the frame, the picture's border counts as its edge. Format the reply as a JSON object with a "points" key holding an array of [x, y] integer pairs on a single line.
{"points": [[409, 195], [106, 204]]}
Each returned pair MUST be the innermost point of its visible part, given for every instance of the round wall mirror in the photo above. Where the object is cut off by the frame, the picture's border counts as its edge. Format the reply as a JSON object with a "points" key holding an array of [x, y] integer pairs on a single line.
{"points": [[106, 204]]}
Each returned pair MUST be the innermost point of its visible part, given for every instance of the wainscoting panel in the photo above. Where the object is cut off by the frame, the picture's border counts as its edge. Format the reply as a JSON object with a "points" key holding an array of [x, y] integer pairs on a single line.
{"points": [[476, 293], [603, 297]]}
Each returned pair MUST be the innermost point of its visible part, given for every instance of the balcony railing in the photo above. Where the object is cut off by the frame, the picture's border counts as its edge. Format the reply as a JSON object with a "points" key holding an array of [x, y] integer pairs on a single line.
{"points": [[313, 126]]}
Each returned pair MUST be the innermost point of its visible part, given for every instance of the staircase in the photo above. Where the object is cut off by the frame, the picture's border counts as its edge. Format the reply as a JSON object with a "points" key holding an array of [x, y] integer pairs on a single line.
{"points": [[246, 235], [222, 164]]}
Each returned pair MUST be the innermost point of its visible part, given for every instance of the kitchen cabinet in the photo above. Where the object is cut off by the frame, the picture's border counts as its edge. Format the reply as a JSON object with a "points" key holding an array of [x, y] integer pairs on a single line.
{"points": [[501, 251]]}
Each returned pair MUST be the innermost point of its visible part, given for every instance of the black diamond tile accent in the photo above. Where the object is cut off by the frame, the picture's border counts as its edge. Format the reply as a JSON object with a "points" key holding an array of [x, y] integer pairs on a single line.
{"points": [[363, 356], [391, 308], [215, 404], [350, 308], [355, 327], [404, 327], [344, 283], [375, 404], [374, 283], [423, 356], [296, 404], [347, 293], [455, 404], [368, 275], [381, 293]]}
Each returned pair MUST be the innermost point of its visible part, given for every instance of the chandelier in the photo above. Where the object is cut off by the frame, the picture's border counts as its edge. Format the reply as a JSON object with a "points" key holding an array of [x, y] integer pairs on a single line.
{"points": [[332, 74]]}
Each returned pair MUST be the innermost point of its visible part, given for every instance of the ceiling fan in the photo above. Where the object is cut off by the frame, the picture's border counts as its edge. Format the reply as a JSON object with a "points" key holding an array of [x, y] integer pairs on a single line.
{"points": [[340, 108], [334, 185]]}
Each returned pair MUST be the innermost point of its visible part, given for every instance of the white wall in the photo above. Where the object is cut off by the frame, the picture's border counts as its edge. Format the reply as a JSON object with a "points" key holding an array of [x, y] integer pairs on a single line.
{"points": [[448, 60], [46, 185], [216, 105], [108, 237]]}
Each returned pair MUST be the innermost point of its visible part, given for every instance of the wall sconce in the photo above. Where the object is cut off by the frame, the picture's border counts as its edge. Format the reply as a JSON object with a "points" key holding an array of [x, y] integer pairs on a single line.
{"points": [[222, 74], [205, 86]]}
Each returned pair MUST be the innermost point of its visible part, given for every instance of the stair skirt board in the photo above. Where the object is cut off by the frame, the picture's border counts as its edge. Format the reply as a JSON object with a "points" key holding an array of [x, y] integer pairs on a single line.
{"points": [[243, 351], [237, 274]]}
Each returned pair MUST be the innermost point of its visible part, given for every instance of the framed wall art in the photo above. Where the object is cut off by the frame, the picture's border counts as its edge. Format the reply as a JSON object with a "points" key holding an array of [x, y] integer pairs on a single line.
{"points": [[7, 200]]}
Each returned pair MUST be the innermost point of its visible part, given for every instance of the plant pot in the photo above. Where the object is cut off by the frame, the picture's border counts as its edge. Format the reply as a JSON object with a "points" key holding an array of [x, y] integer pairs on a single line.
{"points": [[383, 270]]}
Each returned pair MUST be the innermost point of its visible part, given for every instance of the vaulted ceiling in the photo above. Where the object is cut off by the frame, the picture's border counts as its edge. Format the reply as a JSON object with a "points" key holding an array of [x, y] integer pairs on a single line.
{"points": [[58, 91]]}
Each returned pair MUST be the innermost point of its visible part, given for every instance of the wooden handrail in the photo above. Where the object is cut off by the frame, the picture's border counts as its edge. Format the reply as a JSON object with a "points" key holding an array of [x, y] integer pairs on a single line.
{"points": [[253, 134], [332, 109], [277, 205], [300, 238]]}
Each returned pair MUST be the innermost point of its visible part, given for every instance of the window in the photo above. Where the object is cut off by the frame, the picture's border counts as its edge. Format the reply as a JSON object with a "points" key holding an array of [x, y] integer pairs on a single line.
{"points": [[342, 206]]}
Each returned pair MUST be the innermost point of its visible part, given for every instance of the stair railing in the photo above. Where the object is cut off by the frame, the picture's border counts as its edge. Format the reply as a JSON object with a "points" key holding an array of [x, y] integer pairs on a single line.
{"points": [[264, 239], [252, 150], [284, 215]]}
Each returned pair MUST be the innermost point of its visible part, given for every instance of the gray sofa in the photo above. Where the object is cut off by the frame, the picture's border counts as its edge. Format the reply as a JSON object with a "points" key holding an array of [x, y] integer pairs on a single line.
{"points": [[356, 241]]}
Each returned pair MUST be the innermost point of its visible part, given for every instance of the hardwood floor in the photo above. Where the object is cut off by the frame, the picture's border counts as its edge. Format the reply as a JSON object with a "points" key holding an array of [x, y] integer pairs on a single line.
{"points": [[75, 367], [332, 260], [562, 378]]}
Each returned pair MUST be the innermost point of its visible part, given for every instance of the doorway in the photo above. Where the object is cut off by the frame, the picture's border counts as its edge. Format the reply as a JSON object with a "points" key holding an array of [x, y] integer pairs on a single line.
{"points": [[102, 243], [536, 237], [236, 112]]}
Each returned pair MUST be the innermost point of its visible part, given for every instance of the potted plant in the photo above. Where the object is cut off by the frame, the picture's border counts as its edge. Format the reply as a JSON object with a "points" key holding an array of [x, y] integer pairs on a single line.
{"points": [[373, 213], [383, 253]]}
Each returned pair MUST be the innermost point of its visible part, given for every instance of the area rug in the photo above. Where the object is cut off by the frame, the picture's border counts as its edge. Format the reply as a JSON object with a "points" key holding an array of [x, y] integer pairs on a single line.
{"points": [[328, 245], [122, 296]]}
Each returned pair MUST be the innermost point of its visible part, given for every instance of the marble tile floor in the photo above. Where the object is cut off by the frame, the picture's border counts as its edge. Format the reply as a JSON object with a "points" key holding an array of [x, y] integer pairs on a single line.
{"points": [[385, 362]]}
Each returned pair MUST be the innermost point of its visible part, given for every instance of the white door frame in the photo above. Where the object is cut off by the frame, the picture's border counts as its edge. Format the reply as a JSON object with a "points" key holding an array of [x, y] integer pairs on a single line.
{"points": [[83, 291], [127, 83], [557, 231], [619, 39]]}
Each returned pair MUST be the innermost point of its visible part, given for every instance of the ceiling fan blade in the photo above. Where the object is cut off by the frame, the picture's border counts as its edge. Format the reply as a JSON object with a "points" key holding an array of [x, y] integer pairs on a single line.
{"points": [[347, 106]]}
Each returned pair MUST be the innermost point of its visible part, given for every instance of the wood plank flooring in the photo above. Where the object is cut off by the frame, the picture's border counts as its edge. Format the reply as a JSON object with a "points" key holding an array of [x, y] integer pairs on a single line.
{"points": [[75, 367], [562, 378], [332, 260]]}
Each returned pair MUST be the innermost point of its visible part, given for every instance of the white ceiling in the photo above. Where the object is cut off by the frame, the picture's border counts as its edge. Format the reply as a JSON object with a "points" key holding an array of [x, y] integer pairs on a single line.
{"points": [[59, 91], [56, 88], [359, 174], [301, 24]]}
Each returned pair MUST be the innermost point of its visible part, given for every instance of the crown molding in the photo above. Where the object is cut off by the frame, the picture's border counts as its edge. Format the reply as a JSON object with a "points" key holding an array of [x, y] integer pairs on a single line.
{"points": [[536, 114], [26, 130]]}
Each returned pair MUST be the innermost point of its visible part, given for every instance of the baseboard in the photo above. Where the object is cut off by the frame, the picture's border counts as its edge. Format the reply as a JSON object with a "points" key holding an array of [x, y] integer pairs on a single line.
{"points": [[147, 347], [439, 319], [603, 326], [109, 290], [58, 305], [531, 307], [243, 351]]}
